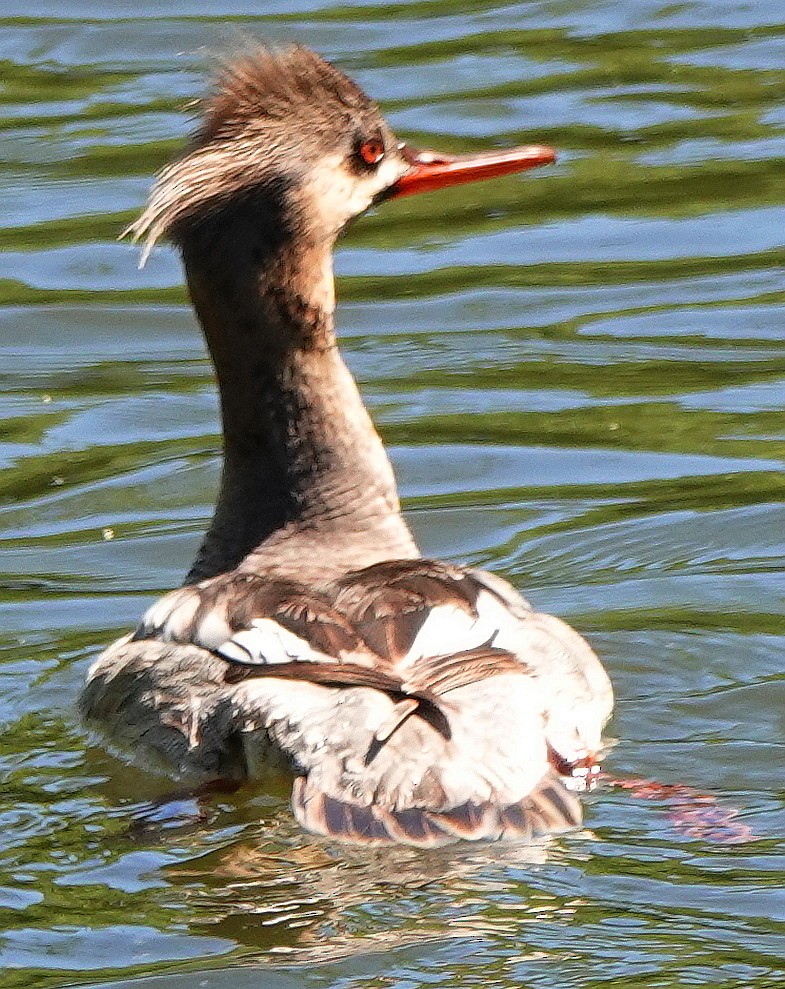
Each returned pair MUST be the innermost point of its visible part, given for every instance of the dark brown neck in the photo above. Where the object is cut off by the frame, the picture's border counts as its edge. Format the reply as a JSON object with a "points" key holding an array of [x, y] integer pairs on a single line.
{"points": [[307, 488]]}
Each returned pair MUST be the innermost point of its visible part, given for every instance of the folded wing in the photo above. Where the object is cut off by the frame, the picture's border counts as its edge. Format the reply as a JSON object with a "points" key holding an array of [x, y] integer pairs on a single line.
{"points": [[416, 701]]}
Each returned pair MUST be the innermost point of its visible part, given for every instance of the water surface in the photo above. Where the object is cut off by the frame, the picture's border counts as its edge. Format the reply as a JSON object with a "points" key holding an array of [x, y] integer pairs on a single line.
{"points": [[579, 373]]}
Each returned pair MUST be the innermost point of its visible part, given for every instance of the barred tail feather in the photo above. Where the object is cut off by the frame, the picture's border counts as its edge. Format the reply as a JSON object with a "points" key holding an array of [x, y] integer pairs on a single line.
{"points": [[549, 808]]}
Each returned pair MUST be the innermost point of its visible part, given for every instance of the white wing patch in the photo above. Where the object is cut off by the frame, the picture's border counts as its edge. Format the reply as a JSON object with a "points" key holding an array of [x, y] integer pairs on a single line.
{"points": [[266, 642], [174, 618], [212, 631], [497, 621], [170, 618], [449, 629]]}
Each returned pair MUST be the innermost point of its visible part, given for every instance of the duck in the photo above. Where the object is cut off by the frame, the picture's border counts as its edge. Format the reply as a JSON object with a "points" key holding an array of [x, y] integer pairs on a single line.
{"points": [[412, 700]]}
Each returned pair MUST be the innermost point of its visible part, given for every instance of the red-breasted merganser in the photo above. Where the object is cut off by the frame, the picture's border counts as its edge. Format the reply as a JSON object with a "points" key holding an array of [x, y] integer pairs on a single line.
{"points": [[415, 701]]}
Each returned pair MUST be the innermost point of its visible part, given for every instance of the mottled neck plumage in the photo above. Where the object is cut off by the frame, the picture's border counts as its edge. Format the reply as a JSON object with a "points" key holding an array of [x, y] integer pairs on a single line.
{"points": [[307, 489]]}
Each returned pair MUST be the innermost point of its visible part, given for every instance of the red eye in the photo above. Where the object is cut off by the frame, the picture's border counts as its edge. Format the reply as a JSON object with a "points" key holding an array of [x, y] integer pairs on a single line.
{"points": [[372, 151]]}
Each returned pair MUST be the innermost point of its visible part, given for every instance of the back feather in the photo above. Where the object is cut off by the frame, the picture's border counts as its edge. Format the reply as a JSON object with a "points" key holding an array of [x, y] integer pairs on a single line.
{"points": [[417, 702]]}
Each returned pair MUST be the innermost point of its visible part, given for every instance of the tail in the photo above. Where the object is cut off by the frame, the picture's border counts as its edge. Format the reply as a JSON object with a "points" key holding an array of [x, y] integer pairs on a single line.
{"points": [[550, 807]]}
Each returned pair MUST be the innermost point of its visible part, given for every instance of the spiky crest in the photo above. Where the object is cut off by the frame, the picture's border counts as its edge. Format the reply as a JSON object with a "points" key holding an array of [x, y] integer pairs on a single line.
{"points": [[269, 109]]}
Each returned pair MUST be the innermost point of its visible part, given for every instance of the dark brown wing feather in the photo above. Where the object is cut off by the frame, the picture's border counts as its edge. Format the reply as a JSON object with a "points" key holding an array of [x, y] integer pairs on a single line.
{"points": [[353, 675], [328, 674], [440, 674], [304, 611], [383, 590], [388, 603]]}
